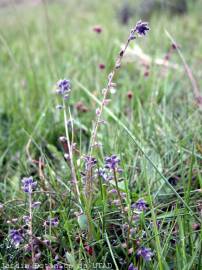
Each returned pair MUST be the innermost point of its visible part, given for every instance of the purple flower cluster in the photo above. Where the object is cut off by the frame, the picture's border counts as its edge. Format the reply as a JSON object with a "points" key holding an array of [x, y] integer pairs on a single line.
{"points": [[145, 253], [139, 205], [141, 28], [53, 222], [63, 88], [90, 162], [16, 237], [28, 184], [58, 267], [112, 162]]}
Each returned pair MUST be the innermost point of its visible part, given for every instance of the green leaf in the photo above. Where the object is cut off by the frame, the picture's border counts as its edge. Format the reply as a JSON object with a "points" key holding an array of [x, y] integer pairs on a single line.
{"points": [[83, 223]]}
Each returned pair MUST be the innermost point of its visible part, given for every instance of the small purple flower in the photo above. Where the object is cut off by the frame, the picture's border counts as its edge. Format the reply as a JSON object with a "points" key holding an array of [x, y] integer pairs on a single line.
{"points": [[58, 267], [112, 162], [26, 219], [132, 231], [16, 237], [53, 222], [63, 88], [145, 253], [102, 173], [132, 267], [28, 184], [90, 162], [116, 202], [139, 205], [113, 191], [141, 28]]}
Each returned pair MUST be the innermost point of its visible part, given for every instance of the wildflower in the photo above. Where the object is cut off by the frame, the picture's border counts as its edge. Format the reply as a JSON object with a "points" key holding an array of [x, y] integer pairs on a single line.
{"points": [[132, 232], [140, 205], [113, 191], [125, 226], [58, 267], [132, 267], [28, 184], [130, 95], [63, 88], [97, 111], [102, 173], [97, 29], [90, 161], [116, 202], [37, 255], [174, 46], [53, 222], [16, 237], [88, 249], [26, 219], [101, 66], [145, 253], [112, 162], [141, 28]]}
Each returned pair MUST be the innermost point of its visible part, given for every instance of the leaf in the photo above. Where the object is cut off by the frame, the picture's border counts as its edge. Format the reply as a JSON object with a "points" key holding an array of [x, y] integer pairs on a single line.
{"points": [[71, 259], [83, 223]]}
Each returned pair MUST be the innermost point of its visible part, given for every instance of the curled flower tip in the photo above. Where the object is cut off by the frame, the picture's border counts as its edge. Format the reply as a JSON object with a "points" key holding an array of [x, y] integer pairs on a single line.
{"points": [[145, 253], [141, 28], [28, 184]]}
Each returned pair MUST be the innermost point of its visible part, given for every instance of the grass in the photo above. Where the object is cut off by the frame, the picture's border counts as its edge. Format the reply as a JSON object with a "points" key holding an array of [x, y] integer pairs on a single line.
{"points": [[156, 134]]}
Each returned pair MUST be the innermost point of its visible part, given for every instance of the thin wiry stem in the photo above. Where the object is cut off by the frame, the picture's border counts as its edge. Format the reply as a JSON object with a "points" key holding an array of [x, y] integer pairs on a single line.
{"points": [[106, 92], [30, 227], [72, 168], [100, 111]]}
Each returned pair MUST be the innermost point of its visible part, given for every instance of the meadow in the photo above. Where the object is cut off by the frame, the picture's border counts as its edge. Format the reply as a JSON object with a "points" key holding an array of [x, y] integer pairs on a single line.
{"points": [[100, 146]]}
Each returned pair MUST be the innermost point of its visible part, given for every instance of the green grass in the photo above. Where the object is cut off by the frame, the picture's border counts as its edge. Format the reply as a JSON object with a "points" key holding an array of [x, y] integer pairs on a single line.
{"points": [[157, 134]]}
